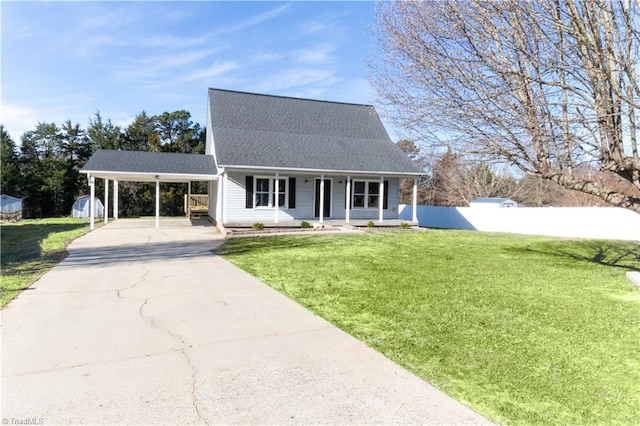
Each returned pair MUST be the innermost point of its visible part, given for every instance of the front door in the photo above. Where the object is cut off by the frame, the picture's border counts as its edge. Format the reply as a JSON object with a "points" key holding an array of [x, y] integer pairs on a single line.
{"points": [[327, 199]]}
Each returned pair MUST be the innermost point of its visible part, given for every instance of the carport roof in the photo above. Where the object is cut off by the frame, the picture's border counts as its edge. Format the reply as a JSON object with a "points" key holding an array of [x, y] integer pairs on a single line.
{"points": [[150, 166]]}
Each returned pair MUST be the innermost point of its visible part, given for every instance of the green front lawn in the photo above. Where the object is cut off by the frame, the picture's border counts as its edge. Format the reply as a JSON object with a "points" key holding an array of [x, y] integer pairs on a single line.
{"points": [[32, 247], [525, 330]]}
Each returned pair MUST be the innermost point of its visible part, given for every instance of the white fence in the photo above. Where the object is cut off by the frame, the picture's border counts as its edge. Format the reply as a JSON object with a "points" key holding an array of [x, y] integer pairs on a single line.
{"points": [[581, 222]]}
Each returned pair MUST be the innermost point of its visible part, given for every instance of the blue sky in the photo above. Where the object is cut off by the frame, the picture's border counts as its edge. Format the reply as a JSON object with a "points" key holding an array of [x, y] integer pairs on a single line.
{"points": [[66, 60]]}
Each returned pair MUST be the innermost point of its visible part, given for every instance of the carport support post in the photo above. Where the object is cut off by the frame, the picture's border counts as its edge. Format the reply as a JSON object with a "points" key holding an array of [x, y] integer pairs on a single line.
{"points": [[381, 201], [348, 197], [188, 212], [115, 200], [321, 212], [92, 203], [415, 199], [157, 203], [106, 201], [276, 196]]}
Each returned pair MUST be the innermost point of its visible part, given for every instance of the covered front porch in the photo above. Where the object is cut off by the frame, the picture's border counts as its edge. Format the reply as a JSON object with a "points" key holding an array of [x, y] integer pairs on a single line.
{"points": [[242, 198]]}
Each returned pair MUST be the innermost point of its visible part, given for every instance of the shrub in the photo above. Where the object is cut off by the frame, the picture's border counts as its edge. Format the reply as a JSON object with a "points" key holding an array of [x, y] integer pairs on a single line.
{"points": [[258, 226], [371, 224], [305, 224], [404, 225]]}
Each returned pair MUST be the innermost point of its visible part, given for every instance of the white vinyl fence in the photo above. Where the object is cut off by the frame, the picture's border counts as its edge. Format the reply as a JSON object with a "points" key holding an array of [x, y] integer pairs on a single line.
{"points": [[581, 222]]}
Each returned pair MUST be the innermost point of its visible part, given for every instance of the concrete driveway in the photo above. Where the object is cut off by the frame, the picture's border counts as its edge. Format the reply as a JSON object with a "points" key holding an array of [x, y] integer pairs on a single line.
{"points": [[145, 326]]}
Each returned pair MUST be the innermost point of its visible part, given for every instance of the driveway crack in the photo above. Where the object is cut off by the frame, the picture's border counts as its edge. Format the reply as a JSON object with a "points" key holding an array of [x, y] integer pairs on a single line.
{"points": [[142, 279], [194, 371]]}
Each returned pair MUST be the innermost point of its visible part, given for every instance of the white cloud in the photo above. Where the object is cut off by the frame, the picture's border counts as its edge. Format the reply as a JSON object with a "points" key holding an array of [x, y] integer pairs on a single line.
{"points": [[255, 20], [218, 69], [321, 54], [159, 65], [296, 78], [17, 120]]}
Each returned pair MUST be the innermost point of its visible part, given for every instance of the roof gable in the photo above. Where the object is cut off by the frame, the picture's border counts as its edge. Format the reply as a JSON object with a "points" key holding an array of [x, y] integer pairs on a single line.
{"points": [[253, 130]]}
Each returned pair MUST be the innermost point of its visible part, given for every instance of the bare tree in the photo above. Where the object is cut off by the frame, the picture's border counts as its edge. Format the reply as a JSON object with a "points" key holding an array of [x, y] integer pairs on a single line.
{"points": [[483, 181], [547, 87]]}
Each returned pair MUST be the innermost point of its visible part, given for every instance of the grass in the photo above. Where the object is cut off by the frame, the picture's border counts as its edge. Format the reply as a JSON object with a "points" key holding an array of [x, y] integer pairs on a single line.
{"points": [[525, 330], [32, 247]]}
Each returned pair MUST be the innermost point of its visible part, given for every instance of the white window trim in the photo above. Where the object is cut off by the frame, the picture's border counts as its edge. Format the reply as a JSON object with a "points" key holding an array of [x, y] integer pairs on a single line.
{"points": [[272, 187], [366, 194]]}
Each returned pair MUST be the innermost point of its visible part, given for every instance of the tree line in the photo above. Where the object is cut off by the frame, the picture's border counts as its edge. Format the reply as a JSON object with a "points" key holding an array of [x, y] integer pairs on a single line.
{"points": [[453, 180], [44, 169]]}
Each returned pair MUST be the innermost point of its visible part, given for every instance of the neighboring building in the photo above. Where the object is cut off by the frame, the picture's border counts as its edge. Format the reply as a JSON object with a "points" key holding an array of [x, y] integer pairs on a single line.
{"points": [[275, 159], [10, 208], [9, 204], [82, 207], [493, 203]]}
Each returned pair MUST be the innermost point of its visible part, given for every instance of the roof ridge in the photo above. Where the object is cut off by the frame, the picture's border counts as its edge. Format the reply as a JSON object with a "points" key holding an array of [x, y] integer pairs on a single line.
{"points": [[291, 97], [296, 133]]}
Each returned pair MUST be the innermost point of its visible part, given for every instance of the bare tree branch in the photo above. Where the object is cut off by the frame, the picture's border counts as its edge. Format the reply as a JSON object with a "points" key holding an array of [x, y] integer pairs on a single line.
{"points": [[543, 86]]}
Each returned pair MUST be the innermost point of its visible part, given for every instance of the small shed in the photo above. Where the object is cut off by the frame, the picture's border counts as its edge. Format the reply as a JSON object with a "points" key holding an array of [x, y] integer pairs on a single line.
{"points": [[82, 205], [10, 208], [493, 203]]}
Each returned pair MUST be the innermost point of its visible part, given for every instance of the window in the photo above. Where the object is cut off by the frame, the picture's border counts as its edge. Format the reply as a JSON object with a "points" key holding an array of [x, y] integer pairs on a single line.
{"points": [[374, 194], [282, 192], [359, 193], [264, 192], [366, 194]]}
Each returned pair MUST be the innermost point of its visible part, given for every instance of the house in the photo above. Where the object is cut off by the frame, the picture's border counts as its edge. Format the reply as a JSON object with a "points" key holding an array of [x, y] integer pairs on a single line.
{"points": [[280, 160], [493, 203], [289, 159]]}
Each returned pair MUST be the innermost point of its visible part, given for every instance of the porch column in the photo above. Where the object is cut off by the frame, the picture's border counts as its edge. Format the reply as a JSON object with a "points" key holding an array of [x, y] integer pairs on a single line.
{"points": [[188, 212], [348, 197], [106, 201], [381, 201], [415, 199], [92, 203], [157, 203], [321, 212], [225, 189], [115, 200], [276, 196]]}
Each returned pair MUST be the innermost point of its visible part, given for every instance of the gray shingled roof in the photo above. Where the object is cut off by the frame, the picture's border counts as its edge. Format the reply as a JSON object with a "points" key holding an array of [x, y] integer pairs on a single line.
{"points": [[253, 130], [150, 162]]}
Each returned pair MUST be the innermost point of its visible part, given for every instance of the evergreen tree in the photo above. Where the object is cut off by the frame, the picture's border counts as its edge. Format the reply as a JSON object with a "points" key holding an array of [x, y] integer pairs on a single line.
{"points": [[103, 135], [9, 167]]}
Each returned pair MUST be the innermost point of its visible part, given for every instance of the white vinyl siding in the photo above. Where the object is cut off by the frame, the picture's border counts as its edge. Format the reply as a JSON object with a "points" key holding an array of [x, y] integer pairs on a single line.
{"points": [[304, 199]]}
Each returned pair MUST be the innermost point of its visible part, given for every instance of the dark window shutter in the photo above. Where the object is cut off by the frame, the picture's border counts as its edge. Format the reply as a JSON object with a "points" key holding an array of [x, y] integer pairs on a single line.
{"points": [[385, 197], [292, 193], [249, 192]]}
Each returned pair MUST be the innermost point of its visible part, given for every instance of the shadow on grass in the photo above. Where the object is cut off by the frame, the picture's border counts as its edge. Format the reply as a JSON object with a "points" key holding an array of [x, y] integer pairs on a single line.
{"points": [[246, 245], [22, 243], [623, 254]]}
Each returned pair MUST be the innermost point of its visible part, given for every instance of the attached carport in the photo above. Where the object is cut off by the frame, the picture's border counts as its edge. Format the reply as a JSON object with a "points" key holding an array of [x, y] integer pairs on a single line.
{"points": [[141, 166]]}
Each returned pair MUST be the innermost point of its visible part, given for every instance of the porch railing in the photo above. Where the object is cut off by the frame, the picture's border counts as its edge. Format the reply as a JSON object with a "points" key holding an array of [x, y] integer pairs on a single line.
{"points": [[196, 205]]}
